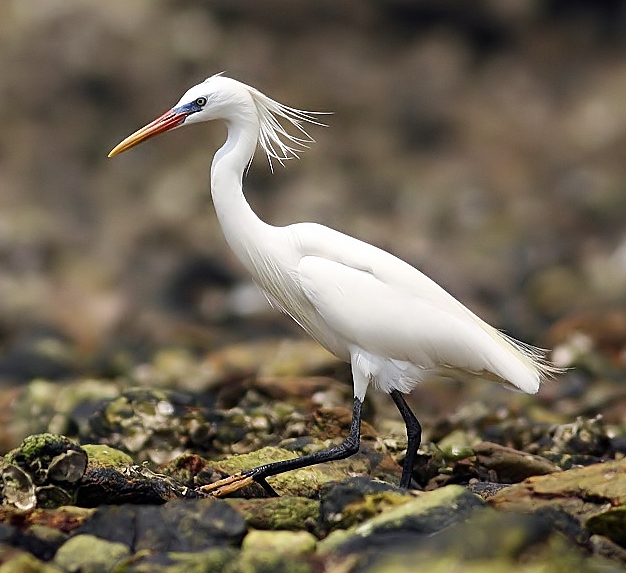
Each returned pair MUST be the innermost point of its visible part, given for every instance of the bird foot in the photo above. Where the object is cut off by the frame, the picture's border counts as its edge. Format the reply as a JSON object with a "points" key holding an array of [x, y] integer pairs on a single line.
{"points": [[234, 483], [227, 485]]}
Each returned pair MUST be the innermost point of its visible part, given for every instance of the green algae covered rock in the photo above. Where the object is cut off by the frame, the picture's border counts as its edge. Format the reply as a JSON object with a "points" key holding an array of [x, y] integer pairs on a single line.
{"points": [[42, 472], [423, 515], [286, 542], [286, 512], [89, 554], [106, 456]]}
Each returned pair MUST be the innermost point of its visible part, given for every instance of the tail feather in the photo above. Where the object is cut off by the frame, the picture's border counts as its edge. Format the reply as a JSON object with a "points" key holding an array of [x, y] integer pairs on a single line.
{"points": [[523, 366]]}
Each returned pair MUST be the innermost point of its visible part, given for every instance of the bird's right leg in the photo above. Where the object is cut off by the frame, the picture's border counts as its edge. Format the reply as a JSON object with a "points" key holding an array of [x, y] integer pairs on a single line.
{"points": [[347, 448], [414, 436]]}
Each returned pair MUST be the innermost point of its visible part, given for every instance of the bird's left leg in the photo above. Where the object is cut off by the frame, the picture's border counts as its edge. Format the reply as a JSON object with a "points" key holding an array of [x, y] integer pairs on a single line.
{"points": [[413, 433], [239, 480]]}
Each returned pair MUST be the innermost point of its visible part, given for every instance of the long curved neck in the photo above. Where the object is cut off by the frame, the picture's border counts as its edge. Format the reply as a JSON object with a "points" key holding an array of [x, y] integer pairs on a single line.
{"points": [[241, 226]]}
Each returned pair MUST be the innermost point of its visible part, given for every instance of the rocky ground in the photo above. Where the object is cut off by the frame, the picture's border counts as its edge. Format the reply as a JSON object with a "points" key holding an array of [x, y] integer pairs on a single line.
{"points": [[482, 142], [109, 472]]}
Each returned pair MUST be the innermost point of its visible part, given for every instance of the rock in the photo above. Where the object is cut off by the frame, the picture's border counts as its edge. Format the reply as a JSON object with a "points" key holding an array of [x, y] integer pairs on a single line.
{"points": [[10, 535], [595, 495], [490, 542], [286, 512], [89, 554], [49, 525], [16, 561], [216, 560], [276, 551], [18, 488], [179, 525], [308, 388], [130, 484], [583, 492], [99, 455], [457, 445], [585, 436], [485, 489], [423, 515], [270, 561], [150, 424], [510, 465], [284, 542], [353, 501], [49, 457], [54, 407], [43, 471], [185, 469], [603, 546], [427, 513], [611, 524]]}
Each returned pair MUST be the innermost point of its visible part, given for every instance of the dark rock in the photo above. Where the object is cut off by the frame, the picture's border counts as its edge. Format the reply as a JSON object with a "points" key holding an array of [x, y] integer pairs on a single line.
{"points": [[350, 502], [179, 525], [611, 524], [41, 549], [565, 523], [17, 561], [133, 484], [404, 524], [587, 437], [485, 489]]}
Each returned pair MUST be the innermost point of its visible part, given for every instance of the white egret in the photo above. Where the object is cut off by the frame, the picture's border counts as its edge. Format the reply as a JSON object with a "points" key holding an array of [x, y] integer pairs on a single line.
{"points": [[395, 326]]}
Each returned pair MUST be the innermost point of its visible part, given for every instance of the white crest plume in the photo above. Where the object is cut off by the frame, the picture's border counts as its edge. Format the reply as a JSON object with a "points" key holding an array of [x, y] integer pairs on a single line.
{"points": [[274, 138]]}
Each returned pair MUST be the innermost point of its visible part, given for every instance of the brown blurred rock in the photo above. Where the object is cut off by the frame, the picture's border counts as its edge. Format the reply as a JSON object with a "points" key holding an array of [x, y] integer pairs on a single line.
{"points": [[510, 465], [583, 492]]}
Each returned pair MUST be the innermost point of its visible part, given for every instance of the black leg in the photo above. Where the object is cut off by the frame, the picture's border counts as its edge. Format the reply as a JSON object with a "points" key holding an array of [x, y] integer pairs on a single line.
{"points": [[413, 433], [347, 448]]}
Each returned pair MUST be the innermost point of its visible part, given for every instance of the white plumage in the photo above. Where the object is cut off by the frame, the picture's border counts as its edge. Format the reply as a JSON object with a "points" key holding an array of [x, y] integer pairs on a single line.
{"points": [[392, 323]]}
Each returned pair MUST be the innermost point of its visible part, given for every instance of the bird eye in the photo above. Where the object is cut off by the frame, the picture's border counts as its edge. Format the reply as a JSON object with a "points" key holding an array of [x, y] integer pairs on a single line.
{"points": [[200, 102]]}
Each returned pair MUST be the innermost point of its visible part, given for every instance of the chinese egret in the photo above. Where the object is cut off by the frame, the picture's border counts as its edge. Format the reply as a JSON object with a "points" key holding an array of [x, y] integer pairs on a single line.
{"points": [[395, 326]]}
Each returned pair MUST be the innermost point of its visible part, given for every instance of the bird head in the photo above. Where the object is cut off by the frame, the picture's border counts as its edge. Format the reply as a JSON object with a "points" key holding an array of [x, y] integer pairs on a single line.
{"points": [[217, 97]]}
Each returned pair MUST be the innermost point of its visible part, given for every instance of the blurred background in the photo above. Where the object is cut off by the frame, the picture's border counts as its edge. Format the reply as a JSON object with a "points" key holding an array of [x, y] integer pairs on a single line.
{"points": [[484, 142]]}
